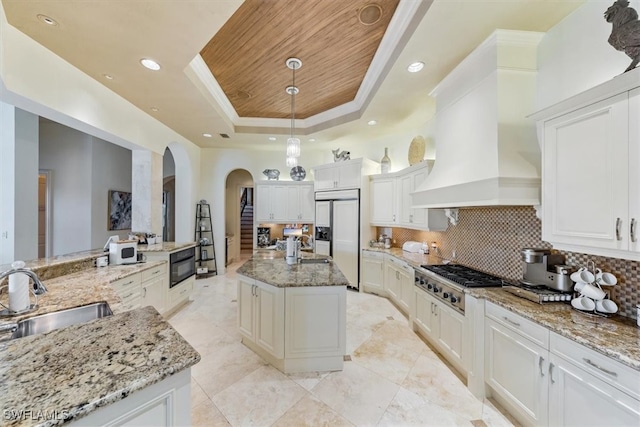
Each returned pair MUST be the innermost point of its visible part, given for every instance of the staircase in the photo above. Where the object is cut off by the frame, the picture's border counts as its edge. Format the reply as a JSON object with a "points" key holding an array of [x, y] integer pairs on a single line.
{"points": [[246, 229]]}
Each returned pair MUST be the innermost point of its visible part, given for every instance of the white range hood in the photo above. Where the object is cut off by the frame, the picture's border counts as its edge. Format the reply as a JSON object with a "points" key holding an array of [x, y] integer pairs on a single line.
{"points": [[487, 152]]}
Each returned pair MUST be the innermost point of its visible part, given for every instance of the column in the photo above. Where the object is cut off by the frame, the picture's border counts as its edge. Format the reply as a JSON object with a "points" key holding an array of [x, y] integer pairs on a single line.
{"points": [[146, 184]]}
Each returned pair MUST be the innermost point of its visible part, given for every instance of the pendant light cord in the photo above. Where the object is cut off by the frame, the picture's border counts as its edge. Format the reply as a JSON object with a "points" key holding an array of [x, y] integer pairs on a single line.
{"points": [[293, 101]]}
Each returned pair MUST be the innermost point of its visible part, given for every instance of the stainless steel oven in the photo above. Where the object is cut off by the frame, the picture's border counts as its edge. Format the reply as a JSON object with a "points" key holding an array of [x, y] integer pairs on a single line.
{"points": [[182, 265]]}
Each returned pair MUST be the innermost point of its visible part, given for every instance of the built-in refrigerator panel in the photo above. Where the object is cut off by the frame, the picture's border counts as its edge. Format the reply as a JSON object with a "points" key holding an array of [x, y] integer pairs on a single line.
{"points": [[323, 213], [345, 245]]}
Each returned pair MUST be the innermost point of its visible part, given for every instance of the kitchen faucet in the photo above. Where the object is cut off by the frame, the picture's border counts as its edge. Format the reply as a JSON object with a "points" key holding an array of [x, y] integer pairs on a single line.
{"points": [[38, 286], [309, 240]]}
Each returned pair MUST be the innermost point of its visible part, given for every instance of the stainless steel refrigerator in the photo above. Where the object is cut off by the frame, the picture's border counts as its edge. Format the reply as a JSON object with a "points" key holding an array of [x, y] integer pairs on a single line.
{"points": [[338, 230]]}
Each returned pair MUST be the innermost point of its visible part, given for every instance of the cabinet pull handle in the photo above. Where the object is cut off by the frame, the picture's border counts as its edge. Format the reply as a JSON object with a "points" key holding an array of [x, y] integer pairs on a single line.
{"points": [[145, 292], [618, 225], [252, 286], [511, 321], [633, 230], [432, 308], [394, 218], [551, 373], [606, 371], [540, 362]]}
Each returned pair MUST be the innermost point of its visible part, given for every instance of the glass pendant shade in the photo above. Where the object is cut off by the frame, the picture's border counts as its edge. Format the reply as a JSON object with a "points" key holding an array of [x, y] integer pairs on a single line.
{"points": [[292, 161], [293, 147]]}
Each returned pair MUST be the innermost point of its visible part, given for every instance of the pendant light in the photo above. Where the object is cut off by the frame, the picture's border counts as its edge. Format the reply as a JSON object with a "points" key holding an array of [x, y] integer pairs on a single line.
{"points": [[293, 143]]}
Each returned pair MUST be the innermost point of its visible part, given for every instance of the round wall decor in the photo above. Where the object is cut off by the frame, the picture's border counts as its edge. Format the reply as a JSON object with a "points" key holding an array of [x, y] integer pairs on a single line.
{"points": [[416, 150], [298, 173]]}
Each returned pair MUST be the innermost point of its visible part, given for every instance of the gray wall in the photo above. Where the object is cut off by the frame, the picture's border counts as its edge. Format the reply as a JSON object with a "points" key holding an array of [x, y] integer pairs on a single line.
{"points": [[84, 169]]}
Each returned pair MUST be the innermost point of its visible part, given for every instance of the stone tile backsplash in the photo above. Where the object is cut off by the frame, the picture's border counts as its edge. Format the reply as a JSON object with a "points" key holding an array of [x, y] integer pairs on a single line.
{"points": [[490, 239]]}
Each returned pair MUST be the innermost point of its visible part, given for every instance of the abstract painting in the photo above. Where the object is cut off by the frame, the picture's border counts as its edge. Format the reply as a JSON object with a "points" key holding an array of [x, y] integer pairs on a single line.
{"points": [[119, 210]]}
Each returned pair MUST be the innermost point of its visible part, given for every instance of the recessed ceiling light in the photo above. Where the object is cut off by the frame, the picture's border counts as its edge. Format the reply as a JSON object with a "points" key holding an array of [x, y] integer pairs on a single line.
{"points": [[108, 76], [415, 67], [372, 123], [150, 64], [47, 20], [272, 138], [154, 109], [207, 135], [312, 140]]}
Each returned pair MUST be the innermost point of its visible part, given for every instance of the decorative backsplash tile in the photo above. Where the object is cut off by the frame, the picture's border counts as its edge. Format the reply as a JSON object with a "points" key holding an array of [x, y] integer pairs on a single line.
{"points": [[490, 240]]}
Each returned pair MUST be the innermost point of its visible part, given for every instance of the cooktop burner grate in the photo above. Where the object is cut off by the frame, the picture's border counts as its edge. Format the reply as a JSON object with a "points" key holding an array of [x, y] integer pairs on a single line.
{"points": [[465, 276]]}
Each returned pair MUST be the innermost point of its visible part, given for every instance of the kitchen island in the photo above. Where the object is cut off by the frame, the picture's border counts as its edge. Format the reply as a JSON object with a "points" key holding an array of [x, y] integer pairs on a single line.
{"points": [[293, 316]]}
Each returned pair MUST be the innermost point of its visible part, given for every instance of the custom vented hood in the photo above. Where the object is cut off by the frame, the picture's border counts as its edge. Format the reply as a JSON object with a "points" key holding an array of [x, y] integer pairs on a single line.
{"points": [[487, 152]]}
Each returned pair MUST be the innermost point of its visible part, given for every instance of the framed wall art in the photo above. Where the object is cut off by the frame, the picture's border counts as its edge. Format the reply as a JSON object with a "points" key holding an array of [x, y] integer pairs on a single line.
{"points": [[119, 210]]}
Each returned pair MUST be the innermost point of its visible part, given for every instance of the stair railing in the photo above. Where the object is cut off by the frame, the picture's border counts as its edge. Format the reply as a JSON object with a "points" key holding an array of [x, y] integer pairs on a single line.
{"points": [[243, 201]]}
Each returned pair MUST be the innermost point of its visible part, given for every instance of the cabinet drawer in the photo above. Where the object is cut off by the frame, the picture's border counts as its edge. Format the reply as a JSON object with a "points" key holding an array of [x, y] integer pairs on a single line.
{"points": [[152, 273], [373, 255], [130, 282], [132, 303], [609, 370], [531, 330], [182, 292]]}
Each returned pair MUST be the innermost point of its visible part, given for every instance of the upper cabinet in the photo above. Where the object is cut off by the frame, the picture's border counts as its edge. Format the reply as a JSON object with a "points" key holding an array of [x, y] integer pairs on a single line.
{"points": [[284, 202], [591, 183], [391, 201], [343, 175]]}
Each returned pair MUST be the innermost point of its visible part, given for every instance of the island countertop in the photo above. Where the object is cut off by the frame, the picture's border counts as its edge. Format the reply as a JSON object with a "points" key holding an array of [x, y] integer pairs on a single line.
{"points": [[270, 267], [78, 369]]}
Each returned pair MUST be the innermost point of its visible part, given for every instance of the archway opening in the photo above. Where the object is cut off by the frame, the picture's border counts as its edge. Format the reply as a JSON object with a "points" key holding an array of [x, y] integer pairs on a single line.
{"points": [[239, 226]]}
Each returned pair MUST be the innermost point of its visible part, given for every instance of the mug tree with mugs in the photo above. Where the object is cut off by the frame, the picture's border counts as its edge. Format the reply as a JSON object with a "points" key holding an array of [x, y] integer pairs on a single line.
{"points": [[588, 286]]}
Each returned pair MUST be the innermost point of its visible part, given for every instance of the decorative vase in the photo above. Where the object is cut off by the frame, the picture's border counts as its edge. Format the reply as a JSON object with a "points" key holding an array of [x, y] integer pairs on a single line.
{"points": [[385, 163]]}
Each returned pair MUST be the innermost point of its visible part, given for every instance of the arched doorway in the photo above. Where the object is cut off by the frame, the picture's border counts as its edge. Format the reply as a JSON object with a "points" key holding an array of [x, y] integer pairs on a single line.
{"points": [[184, 198], [239, 227]]}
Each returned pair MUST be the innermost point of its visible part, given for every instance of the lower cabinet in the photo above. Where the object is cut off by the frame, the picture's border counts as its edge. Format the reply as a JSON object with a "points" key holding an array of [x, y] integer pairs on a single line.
{"points": [[296, 329], [399, 284], [180, 293], [166, 403], [442, 326], [154, 288], [372, 272], [128, 289], [261, 315], [544, 379]]}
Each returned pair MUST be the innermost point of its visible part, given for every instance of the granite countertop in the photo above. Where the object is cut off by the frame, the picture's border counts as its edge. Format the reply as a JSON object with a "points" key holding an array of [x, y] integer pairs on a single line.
{"points": [[617, 337], [270, 267], [78, 369], [81, 288], [414, 259], [59, 259], [165, 247]]}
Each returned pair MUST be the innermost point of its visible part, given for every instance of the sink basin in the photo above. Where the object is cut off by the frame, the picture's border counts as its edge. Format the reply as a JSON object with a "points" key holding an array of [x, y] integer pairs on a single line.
{"points": [[61, 319], [314, 261]]}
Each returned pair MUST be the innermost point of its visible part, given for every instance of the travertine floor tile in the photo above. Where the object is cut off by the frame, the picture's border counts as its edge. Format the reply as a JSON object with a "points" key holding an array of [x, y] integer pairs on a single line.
{"points": [[409, 409], [206, 414], [308, 380], [311, 412], [258, 399], [385, 358], [358, 394]]}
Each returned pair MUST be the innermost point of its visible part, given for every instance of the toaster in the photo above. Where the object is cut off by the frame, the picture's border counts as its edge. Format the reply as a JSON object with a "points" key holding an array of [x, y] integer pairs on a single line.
{"points": [[412, 246]]}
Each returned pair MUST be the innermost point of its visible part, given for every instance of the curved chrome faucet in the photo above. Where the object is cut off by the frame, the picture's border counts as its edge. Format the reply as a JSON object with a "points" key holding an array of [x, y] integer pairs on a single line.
{"points": [[38, 286]]}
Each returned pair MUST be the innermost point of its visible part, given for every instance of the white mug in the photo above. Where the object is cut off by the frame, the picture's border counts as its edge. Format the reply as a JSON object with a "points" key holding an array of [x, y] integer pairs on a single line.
{"points": [[605, 279], [592, 292], [583, 275], [583, 303], [102, 261], [606, 306]]}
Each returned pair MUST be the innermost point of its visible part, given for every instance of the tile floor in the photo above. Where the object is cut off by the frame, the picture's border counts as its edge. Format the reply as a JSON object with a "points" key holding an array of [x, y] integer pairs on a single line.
{"points": [[393, 378]]}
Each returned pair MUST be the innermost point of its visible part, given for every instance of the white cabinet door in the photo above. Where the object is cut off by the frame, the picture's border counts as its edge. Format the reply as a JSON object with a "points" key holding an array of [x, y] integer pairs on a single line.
{"points": [[405, 287], [307, 203], [263, 203], [450, 332], [269, 316], [419, 216], [323, 214], [349, 175], [634, 170], [278, 198], [324, 178], [577, 398], [372, 274], [344, 239], [585, 176], [383, 201], [153, 293], [516, 369], [322, 247], [425, 318], [246, 307], [391, 281]]}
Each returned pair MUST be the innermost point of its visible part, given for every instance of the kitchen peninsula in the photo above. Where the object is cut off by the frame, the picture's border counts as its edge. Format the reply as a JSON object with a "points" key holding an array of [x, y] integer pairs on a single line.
{"points": [[130, 367], [294, 316]]}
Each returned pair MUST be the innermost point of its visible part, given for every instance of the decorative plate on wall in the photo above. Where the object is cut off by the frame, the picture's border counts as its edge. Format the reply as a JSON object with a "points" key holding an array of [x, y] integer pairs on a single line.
{"points": [[298, 173], [416, 150]]}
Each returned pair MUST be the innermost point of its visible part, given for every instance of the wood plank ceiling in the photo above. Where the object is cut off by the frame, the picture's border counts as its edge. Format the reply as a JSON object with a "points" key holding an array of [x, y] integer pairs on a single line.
{"points": [[336, 41]]}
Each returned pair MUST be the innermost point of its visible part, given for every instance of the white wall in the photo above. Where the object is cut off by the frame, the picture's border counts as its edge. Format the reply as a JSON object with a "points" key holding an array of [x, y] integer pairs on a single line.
{"points": [[575, 55]]}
